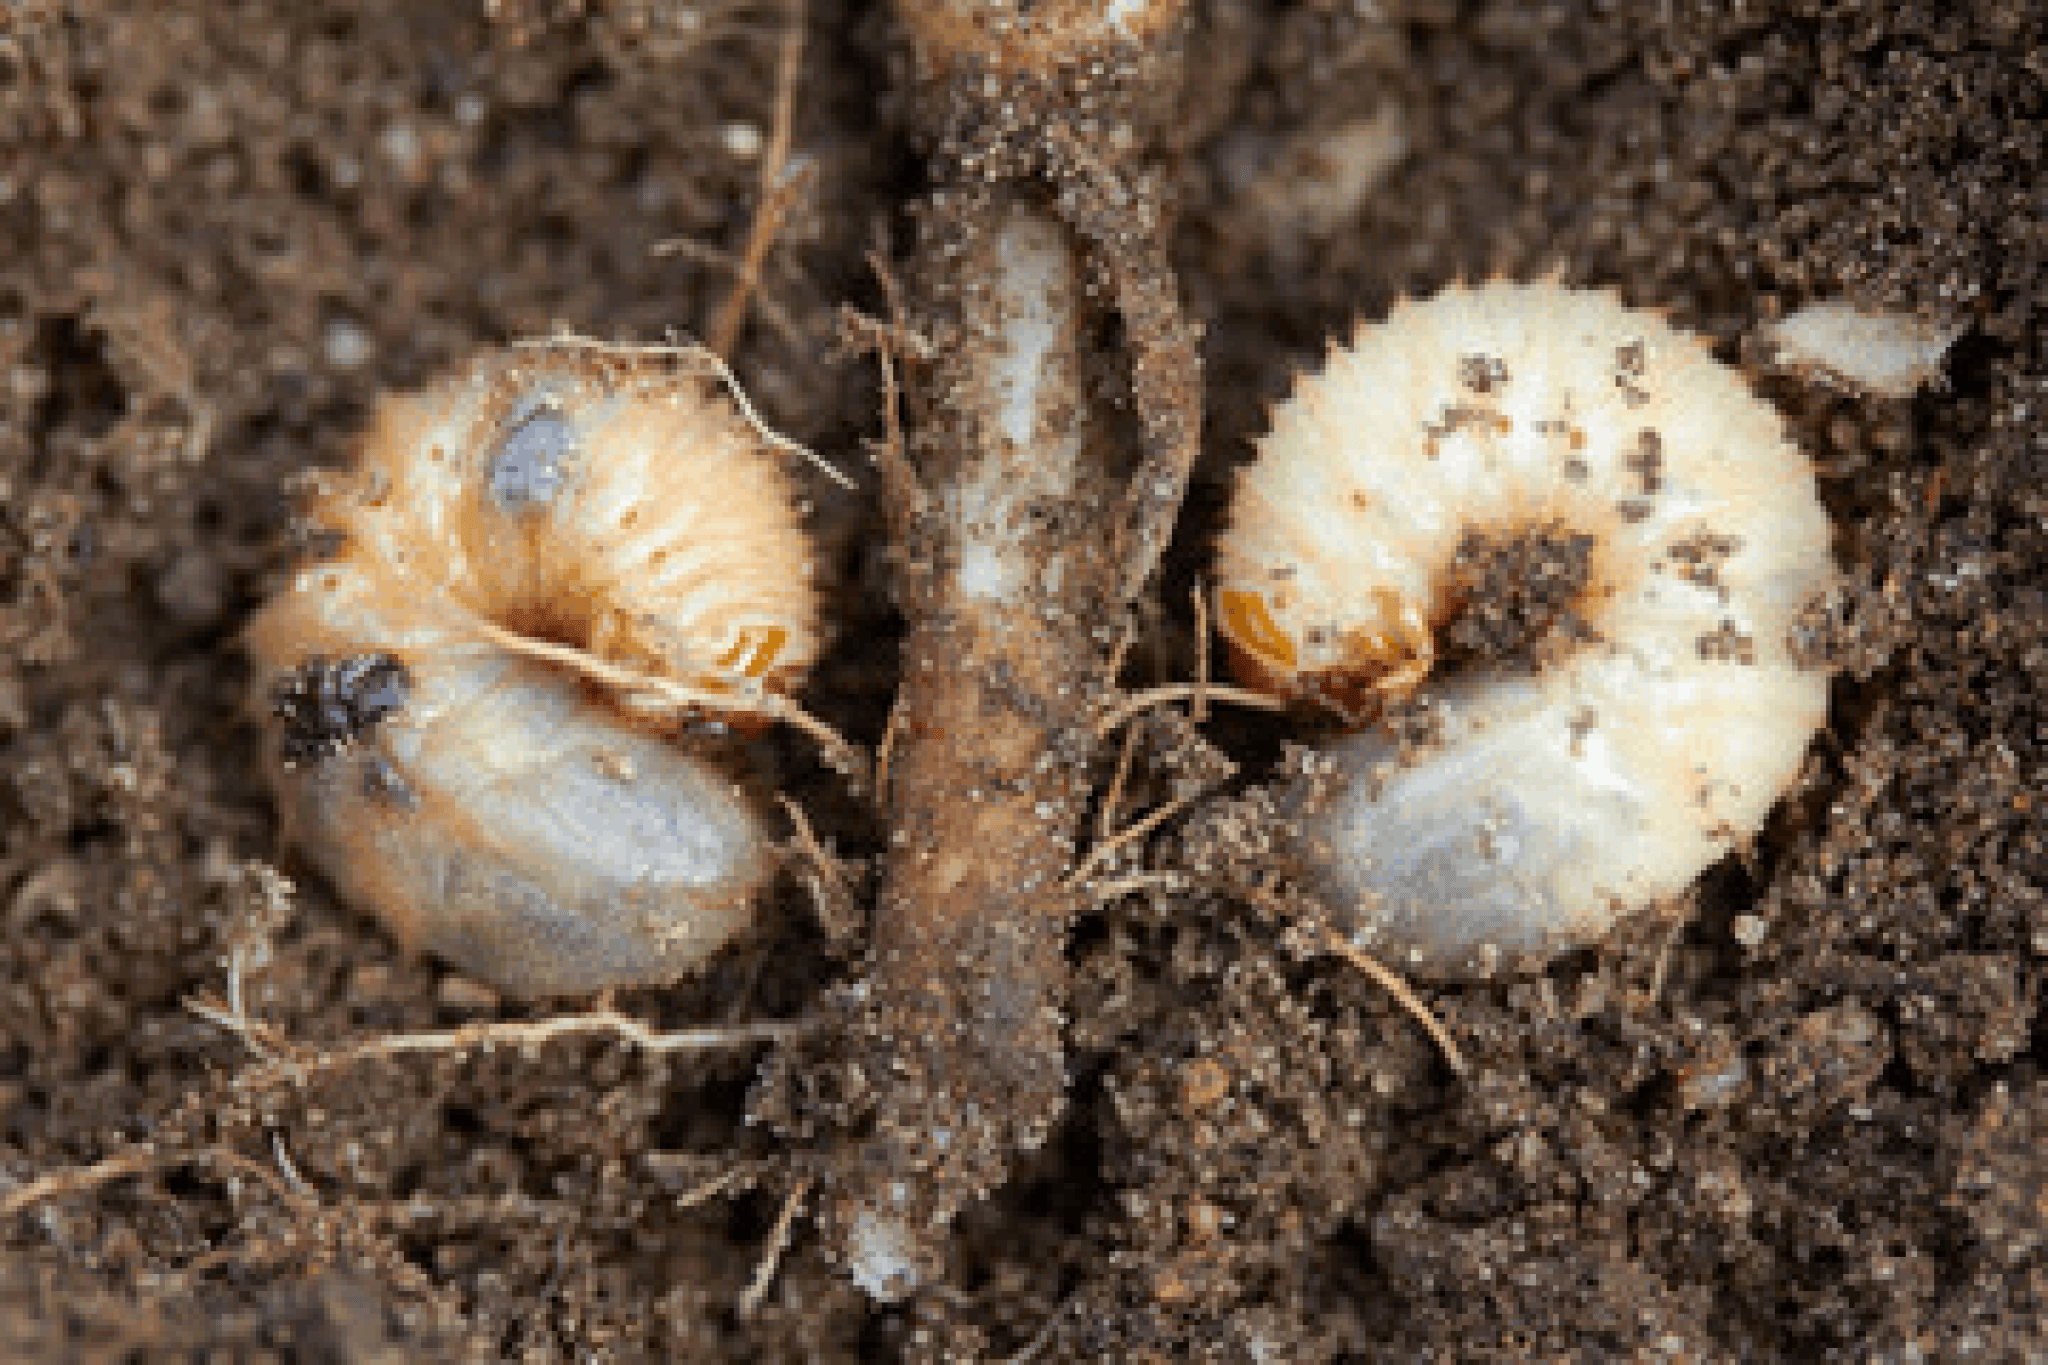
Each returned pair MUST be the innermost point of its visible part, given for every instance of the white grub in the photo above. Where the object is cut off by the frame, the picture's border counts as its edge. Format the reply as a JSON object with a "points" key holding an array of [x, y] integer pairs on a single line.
{"points": [[1555, 795], [1035, 435], [438, 755], [1889, 354]]}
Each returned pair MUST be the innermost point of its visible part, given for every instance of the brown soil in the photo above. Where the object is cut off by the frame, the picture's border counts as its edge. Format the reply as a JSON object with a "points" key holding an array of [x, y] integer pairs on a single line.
{"points": [[1807, 1120]]}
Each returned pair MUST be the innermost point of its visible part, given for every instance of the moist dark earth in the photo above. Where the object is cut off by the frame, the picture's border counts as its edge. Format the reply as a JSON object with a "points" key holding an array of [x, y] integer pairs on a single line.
{"points": [[1801, 1114]]}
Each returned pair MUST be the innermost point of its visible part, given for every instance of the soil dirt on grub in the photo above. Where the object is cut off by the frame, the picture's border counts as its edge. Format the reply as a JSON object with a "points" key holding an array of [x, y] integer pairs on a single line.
{"points": [[1802, 1115]]}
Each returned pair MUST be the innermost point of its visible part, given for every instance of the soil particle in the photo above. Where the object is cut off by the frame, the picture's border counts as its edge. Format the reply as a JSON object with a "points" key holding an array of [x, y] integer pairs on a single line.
{"points": [[1517, 591]]}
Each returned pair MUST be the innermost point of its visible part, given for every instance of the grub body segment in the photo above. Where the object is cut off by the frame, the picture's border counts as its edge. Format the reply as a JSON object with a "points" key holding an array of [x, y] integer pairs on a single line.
{"points": [[1607, 764]]}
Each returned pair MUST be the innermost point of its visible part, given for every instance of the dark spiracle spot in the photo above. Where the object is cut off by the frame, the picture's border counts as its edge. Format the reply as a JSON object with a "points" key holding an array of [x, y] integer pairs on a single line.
{"points": [[325, 704]]}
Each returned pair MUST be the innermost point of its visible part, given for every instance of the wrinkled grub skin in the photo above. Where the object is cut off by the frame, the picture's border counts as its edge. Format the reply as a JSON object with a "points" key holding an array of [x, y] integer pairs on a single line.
{"points": [[1822, 1134]]}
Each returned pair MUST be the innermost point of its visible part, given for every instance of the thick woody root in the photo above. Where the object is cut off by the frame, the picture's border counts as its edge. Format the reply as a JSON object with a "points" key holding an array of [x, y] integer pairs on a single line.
{"points": [[1024, 543], [1011, 592], [1078, 96], [1030, 37]]}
